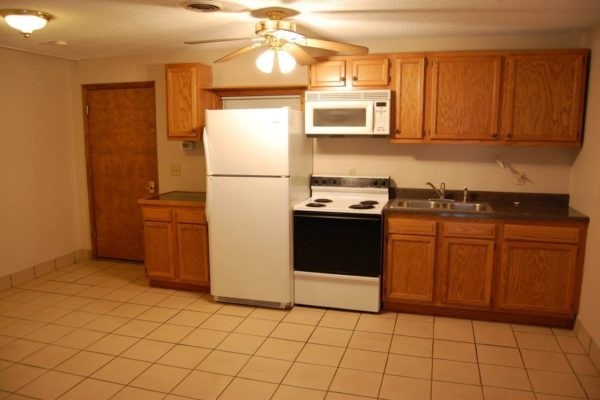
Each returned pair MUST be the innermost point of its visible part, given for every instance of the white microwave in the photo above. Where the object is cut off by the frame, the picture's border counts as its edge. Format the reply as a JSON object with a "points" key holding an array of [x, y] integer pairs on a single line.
{"points": [[347, 113]]}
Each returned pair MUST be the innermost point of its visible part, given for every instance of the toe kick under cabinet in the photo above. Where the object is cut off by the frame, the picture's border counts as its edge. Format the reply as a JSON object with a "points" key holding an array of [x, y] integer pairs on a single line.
{"points": [[516, 271], [176, 242]]}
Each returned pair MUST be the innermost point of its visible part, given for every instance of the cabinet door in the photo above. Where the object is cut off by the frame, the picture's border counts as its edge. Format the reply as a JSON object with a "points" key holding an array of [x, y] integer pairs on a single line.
{"points": [[538, 277], [182, 102], [409, 268], [544, 97], [466, 271], [371, 72], [409, 92], [328, 74], [159, 247], [464, 98], [192, 250]]}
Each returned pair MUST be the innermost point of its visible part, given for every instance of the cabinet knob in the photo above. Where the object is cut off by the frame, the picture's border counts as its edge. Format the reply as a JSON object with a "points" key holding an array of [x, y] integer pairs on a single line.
{"points": [[495, 135], [509, 135], [354, 78], [342, 78]]}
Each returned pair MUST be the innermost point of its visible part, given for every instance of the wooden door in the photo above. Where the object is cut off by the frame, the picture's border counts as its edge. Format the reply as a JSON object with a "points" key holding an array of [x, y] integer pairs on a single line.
{"points": [[544, 97], [410, 268], [466, 269], [371, 72], [537, 276], [409, 92], [120, 137], [464, 101], [328, 74]]}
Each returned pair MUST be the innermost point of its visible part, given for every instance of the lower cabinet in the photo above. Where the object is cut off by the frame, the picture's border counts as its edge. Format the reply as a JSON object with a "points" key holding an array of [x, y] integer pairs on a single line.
{"points": [[539, 272], [516, 272], [466, 263], [176, 246]]}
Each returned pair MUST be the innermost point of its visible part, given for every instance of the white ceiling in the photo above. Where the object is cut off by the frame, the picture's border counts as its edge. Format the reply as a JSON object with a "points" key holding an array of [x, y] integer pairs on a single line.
{"points": [[106, 28]]}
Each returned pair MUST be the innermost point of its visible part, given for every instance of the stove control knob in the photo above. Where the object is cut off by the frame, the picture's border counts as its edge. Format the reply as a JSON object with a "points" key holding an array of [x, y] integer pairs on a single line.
{"points": [[334, 181]]}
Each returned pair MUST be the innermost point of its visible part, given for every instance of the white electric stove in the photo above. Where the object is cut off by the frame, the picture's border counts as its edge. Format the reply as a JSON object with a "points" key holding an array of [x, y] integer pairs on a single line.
{"points": [[338, 242]]}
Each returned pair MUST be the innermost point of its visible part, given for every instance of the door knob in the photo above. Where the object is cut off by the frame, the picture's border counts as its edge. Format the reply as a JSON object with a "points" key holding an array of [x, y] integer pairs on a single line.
{"points": [[151, 187]]}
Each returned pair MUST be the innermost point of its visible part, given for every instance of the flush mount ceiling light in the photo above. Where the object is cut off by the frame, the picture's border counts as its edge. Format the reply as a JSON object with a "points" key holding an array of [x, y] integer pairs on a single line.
{"points": [[25, 21]]}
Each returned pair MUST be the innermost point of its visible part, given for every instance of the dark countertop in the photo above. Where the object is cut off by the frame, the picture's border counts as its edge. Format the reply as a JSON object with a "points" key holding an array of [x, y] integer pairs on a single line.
{"points": [[505, 205], [175, 198]]}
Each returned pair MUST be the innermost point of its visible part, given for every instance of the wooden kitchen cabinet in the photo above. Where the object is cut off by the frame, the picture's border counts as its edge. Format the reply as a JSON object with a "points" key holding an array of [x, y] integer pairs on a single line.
{"points": [[464, 97], [544, 97], [539, 269], [349, 72], [466, 264], [409, 97], [187, 100], [410, 260], [176, 245], [450, 266]]}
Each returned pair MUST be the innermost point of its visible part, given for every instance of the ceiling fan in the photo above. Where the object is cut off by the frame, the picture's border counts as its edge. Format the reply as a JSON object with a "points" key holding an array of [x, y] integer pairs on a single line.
{"points": [[281, 37]]}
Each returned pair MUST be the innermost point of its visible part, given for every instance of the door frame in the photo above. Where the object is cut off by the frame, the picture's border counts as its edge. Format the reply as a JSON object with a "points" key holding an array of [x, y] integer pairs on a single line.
{"points": [[86, 137]]}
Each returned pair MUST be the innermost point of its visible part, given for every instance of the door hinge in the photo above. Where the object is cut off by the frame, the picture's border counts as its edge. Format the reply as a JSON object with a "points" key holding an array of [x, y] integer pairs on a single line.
{"points": [[87, 109]]}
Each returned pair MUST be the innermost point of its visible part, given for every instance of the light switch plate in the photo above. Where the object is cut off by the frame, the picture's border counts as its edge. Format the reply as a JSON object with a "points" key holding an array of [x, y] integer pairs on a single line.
{"points": [[175, 169]]}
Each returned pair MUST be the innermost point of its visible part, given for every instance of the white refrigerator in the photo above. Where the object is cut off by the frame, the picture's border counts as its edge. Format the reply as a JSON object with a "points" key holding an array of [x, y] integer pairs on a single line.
{"points": [[258, 164]]}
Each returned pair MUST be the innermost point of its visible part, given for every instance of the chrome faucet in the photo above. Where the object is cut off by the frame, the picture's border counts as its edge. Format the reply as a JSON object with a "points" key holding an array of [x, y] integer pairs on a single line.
{"points": [[441, 192]]}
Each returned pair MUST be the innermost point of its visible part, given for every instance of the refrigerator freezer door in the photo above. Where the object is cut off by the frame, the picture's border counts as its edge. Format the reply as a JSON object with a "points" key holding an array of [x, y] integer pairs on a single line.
{"points": [[251, 142], [249, 240]]}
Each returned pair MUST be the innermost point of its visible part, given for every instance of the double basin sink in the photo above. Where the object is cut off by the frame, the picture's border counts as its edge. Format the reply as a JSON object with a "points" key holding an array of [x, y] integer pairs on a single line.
{"points": [[440, 205]]}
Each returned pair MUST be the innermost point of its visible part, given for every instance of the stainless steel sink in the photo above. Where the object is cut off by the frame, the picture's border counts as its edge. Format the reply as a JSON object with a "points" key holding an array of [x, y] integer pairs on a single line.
{"points": [[440, 205]]}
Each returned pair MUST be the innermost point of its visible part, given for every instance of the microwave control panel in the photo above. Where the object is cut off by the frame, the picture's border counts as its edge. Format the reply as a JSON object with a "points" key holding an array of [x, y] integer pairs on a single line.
{"points": [[381, 117]]}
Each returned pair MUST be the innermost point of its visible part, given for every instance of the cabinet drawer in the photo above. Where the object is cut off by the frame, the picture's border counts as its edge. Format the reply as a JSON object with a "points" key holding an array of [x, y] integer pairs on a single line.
{"points": [[542, 233], [156, 214], [191, 216], [411, 226], [462, 229]]}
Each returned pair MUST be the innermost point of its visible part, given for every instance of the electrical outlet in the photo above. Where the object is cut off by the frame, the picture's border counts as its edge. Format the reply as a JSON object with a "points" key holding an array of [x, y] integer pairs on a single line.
{"points": [[175, 169]]}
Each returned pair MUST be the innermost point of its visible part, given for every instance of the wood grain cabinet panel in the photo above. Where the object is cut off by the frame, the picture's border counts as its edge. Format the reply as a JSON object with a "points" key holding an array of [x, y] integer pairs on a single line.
{"points": [[409, 92], [192, 251], [370, 72], [537, 277], [466, 271], [176, 249], [159, 249], [544, 95], [464, 99], [328, 74], [187, 100], [410, 268]]}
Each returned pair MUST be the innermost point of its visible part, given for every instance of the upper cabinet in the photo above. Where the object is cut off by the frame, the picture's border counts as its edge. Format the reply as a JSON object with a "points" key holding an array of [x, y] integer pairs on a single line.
{"points": [[485, 97], [187, 100], [464, 97], [544, 96], [349, 72], [409, 94]]}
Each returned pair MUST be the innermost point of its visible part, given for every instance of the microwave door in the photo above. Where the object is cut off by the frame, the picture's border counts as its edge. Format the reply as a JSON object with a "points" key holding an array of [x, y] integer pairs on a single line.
{"points": [[342, 118]]}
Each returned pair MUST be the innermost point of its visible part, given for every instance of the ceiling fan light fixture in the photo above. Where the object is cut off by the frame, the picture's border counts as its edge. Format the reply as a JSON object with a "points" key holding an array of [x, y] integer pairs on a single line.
{"points": [[25, 21], [286, 62], [265, 61]]}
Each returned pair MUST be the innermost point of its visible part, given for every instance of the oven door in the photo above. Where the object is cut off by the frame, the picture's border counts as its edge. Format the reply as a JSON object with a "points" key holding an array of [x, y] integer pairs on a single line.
{"points": [[346, 244]]}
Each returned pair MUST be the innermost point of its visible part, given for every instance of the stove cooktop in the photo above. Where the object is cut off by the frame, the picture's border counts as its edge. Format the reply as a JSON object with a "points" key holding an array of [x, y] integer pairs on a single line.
{"points": [[346, 194]]}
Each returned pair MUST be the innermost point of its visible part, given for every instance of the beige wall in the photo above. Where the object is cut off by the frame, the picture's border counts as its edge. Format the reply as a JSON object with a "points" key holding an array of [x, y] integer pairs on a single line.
{"points": [[585, 192], [39, 205]]}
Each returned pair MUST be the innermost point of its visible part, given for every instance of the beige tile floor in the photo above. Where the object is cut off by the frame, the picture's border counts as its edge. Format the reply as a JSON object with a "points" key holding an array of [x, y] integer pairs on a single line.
{"points": [[97, 331]]}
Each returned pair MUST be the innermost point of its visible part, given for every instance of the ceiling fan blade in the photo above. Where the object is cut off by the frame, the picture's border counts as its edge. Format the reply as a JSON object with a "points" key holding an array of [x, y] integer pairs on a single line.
{"points": [[214, 41], [338, 47], [301, 56], [239, 52]]}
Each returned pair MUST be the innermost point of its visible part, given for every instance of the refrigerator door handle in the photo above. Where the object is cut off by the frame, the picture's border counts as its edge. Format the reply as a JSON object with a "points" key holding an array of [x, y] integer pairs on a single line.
{"points": [[205, 140]]}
